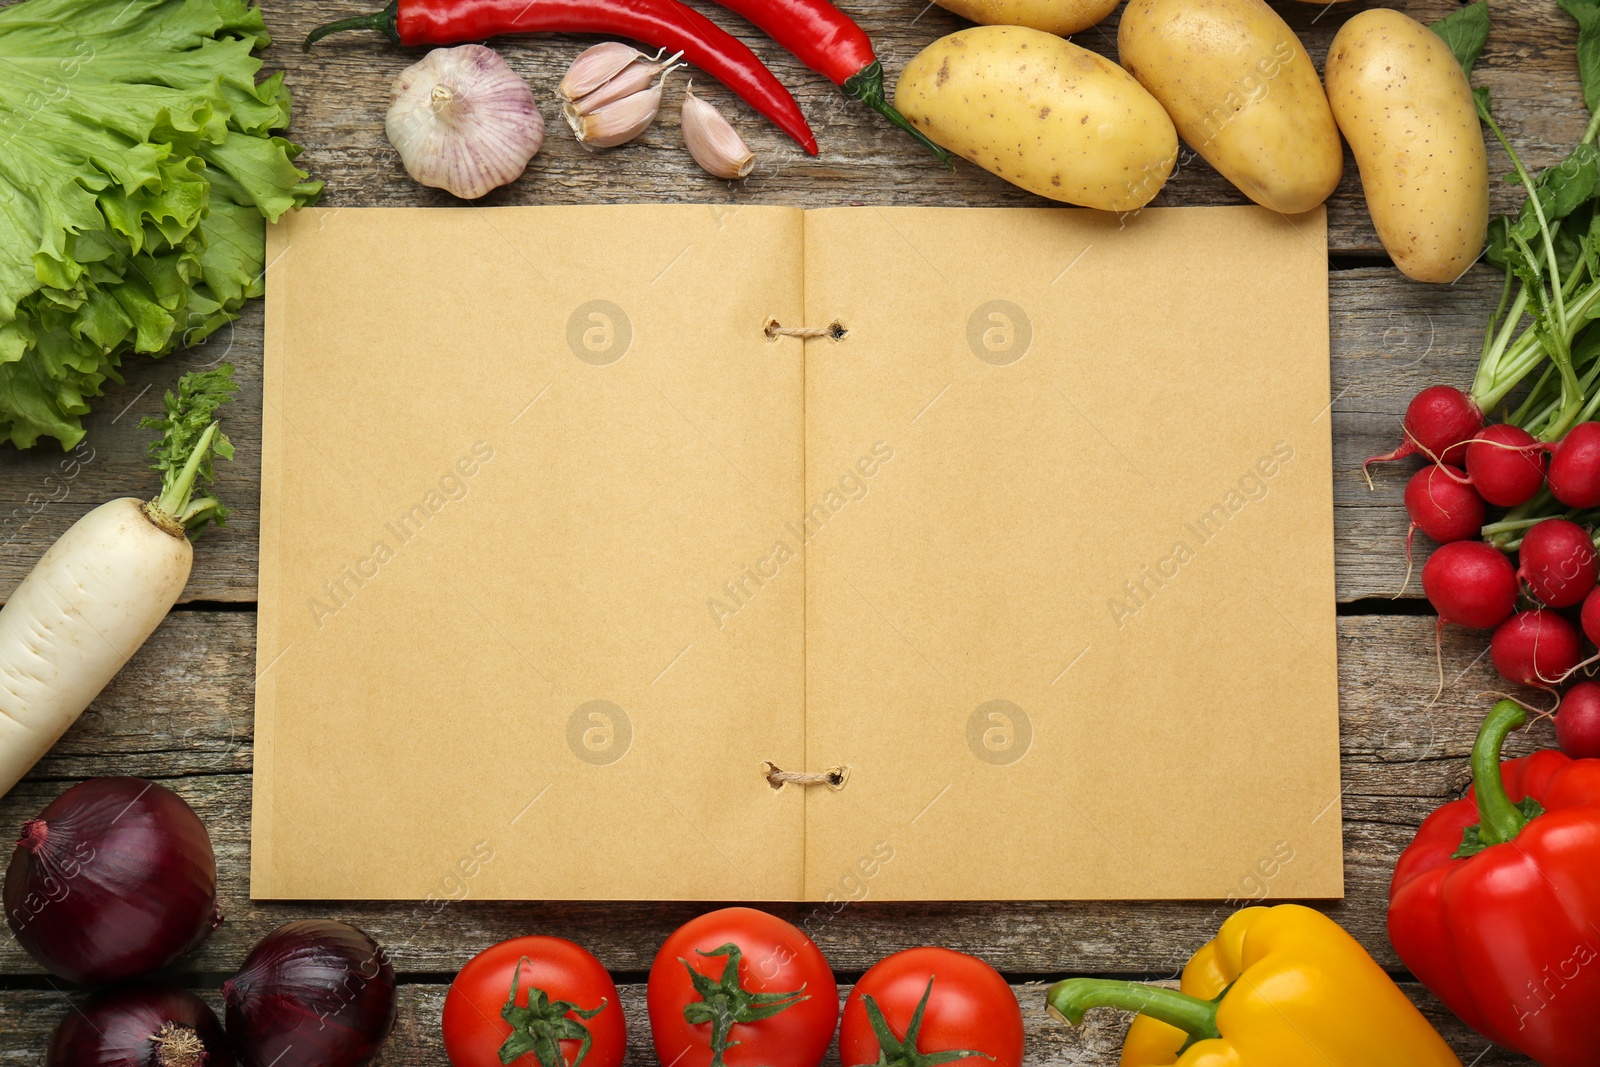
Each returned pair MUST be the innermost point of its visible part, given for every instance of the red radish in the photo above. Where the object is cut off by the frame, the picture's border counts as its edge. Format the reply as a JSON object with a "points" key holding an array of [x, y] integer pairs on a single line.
{"points": [[1575, 467], [1470, 584], [1535, 648], [1578, 721], [1438, 420], [1590, 618], [1506, 464], [1442, 506], [1559, 563]]}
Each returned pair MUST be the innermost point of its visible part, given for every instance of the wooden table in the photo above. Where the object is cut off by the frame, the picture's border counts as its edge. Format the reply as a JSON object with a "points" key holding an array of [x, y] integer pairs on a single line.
{"points": [[181, 712]]}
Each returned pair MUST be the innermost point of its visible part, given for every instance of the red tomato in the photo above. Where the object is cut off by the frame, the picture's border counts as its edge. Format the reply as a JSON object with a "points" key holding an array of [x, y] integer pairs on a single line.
{"points": [[969, 1007], [781, 997], [553, 991]]}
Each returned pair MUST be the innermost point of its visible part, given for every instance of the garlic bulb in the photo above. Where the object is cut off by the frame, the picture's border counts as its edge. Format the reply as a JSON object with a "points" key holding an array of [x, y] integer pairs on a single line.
{"points": [[616, 122], [464, 121], [712, 140]]}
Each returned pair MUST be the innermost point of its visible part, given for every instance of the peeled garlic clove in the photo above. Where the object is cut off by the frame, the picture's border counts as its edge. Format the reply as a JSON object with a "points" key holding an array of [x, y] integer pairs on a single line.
{"points": [[712, 140], [634, 78], [619, 122], [464, 121], [595, 66]]}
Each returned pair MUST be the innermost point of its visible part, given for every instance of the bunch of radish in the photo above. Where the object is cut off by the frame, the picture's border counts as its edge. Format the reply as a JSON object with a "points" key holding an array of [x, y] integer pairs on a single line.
{"points": [[1532, 575]]}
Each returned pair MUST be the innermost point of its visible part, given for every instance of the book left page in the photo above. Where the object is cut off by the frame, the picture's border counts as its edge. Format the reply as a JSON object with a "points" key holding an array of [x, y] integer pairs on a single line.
{"points": [[525, 618]]}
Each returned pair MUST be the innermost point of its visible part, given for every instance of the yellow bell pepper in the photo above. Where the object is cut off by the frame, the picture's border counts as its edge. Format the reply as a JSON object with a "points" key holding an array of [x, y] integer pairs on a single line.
{"points": [[1277, 987]]}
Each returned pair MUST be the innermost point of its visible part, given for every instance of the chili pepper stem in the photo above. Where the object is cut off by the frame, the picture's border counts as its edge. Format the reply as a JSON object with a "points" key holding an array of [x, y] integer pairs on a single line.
{"points": [[383, 21], [1499, 819], [866, 85], [1069, 1000]]}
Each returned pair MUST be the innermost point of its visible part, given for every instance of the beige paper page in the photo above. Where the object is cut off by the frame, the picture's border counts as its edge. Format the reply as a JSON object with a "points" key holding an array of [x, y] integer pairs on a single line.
{"points": [[1071, 605], [511, 457]]}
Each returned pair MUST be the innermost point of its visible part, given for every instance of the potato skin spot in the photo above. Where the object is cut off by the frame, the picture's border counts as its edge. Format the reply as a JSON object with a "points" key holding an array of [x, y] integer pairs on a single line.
{"points": [[1005, 102]]}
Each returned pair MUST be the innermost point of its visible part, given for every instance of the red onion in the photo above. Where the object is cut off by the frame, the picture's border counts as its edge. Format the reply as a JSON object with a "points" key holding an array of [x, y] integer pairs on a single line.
{"points": [[115, 879], [140, 1026], [314, 993]]}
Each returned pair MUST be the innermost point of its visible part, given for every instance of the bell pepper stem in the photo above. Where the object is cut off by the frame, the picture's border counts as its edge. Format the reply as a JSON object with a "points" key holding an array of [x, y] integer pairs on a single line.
{"points": [[1070, 999], [1499, 820], [383, 21], [866, 85]]}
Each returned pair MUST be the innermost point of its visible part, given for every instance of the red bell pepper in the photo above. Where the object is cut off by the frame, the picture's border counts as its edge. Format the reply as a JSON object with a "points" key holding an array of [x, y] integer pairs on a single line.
{"points": [[1495, 906]]}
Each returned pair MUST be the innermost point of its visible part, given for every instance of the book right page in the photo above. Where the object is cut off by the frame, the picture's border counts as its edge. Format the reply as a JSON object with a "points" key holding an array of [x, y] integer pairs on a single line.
{"points": [[1070, 599]]}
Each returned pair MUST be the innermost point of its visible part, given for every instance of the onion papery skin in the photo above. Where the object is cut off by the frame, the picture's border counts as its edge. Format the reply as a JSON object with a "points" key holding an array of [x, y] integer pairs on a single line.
{"points": [[120, 1028], [313, 993], [116, 878]]}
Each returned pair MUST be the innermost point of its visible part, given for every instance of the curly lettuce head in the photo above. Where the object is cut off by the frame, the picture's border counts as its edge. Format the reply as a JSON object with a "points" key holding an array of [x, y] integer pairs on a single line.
{"points": [[137, 167]]}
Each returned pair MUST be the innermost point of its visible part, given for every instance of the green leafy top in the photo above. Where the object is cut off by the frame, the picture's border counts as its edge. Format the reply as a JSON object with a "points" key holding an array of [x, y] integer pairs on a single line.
{"points": [[1587, 13], [137, 164], [1466, 31], [190, 436], [1550, 253]]}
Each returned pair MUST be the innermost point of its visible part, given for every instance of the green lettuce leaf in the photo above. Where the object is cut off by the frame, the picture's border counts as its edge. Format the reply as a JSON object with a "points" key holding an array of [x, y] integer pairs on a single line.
{"points": [[138, 168]]}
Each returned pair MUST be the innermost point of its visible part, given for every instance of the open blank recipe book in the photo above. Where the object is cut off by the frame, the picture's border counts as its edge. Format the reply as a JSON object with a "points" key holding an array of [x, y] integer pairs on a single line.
{"points": [[752, 553]]}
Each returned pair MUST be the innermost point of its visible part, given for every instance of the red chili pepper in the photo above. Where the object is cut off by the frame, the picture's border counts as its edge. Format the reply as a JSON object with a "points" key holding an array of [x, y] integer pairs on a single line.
{"points": [[830, 43], [659, 23], [1496, 904]]}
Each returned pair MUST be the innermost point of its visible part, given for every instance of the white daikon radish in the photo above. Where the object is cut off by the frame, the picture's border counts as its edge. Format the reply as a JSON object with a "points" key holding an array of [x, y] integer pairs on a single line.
{"points": [[93, 598]]}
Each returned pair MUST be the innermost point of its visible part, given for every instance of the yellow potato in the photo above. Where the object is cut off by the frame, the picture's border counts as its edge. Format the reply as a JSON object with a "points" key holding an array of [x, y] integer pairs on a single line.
{"points": [[1406, 108], [1042, 113], [1242, 91], [1052, 16]]}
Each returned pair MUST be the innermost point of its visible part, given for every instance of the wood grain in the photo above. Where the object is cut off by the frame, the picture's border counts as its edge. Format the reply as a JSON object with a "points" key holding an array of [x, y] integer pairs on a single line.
{"points": [[1391, 335], [28, 1017], [181, 713], [1389, 339], [342, 88]]}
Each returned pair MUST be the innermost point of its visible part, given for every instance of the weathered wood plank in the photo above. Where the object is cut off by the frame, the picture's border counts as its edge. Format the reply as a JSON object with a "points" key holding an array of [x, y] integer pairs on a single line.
{"points": [[181, 712], [44, 490], [1389, 339], [342, 88], [28, 1017]]}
